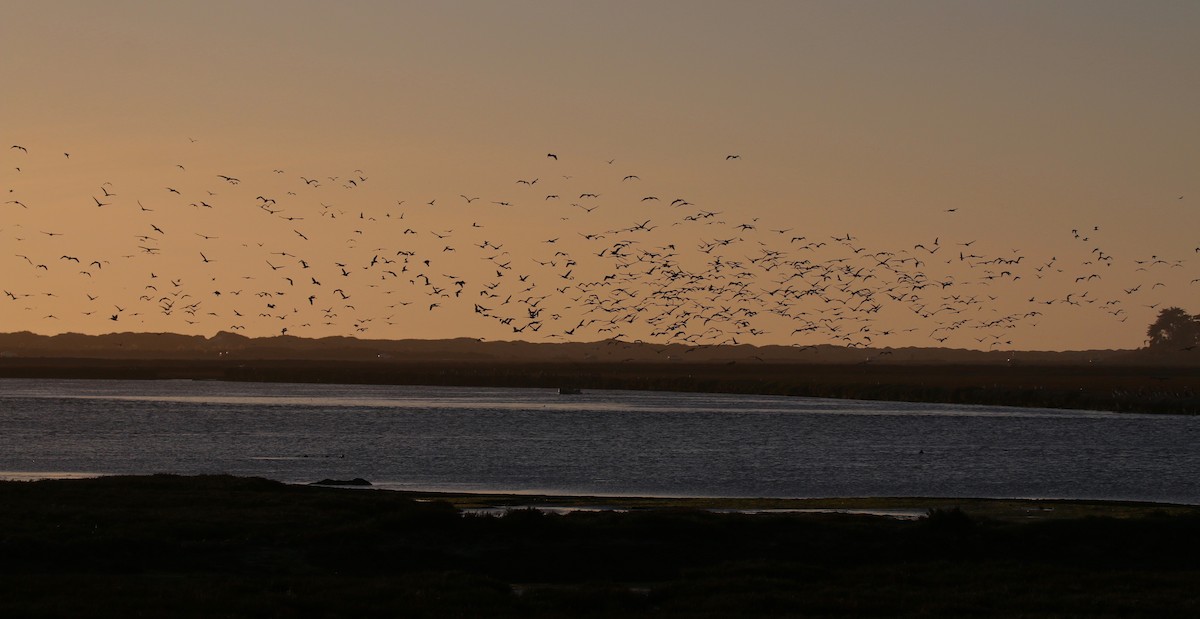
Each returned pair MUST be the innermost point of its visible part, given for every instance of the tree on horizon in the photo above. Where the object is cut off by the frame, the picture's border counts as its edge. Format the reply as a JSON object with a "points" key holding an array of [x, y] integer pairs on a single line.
{"points": [[1174, 328]]}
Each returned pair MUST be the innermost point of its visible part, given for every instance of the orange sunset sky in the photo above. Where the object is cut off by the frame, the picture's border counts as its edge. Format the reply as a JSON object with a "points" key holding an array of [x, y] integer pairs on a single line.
{"points": [[1009, 175]]}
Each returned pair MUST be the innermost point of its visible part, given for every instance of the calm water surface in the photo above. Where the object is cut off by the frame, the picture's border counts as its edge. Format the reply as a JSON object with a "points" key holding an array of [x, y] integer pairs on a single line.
{"points": [[600, 442]]}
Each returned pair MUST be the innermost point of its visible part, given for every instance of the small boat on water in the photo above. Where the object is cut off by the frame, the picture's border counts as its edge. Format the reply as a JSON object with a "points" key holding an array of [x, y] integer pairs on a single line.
{"points": [[569, 391]]}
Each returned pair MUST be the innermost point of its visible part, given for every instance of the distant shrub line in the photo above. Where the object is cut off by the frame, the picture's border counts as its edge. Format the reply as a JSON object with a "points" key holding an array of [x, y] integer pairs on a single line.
{"points": [[1138, 389]]}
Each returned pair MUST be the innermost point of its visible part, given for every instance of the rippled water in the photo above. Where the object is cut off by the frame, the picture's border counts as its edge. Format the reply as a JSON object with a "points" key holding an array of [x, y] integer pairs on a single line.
{"points": [[600, 442]]}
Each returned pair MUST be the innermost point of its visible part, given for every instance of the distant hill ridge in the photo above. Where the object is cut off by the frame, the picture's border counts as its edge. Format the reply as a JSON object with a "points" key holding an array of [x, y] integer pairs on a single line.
{"points": [[234, 346]]}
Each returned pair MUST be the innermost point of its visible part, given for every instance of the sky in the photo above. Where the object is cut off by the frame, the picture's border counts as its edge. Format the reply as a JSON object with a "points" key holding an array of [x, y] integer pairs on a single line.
{"points": [[995, 176]]}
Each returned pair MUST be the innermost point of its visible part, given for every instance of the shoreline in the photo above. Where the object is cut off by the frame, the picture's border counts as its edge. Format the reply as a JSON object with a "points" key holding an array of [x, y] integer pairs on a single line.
{"points": [[1026, 509], [999, 508], [1138, 389]]}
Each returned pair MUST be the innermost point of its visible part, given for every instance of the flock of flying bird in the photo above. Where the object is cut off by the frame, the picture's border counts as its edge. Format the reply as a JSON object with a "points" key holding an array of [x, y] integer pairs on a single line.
{"points": [[549, 258]]}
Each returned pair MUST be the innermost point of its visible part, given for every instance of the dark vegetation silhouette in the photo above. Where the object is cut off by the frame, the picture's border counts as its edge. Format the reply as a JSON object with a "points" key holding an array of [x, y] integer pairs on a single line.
{"points": [[1174, 329], [1173, 389], [237, 547]]}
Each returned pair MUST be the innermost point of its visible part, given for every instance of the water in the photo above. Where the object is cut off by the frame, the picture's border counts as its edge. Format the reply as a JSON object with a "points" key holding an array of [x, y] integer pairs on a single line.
{"points": [[600, 442]]}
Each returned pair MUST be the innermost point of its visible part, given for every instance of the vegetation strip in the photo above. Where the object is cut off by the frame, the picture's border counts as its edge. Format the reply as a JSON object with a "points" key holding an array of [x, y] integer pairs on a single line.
{"points": [[239, 547], [1140, 389]]}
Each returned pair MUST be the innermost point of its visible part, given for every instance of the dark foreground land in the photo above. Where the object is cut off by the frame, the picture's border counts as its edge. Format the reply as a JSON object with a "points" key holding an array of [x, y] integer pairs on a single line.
{"points": [[1123, 388], [235, 547]]}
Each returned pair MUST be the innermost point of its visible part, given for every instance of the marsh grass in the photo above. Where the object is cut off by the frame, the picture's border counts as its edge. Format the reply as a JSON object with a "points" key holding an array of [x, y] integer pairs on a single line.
{"points": [[218, 546], [1172, 388]]}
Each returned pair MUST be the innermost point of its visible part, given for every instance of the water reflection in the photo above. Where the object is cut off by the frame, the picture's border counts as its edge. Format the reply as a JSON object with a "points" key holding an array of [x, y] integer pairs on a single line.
{"points": [[601, 442]]}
